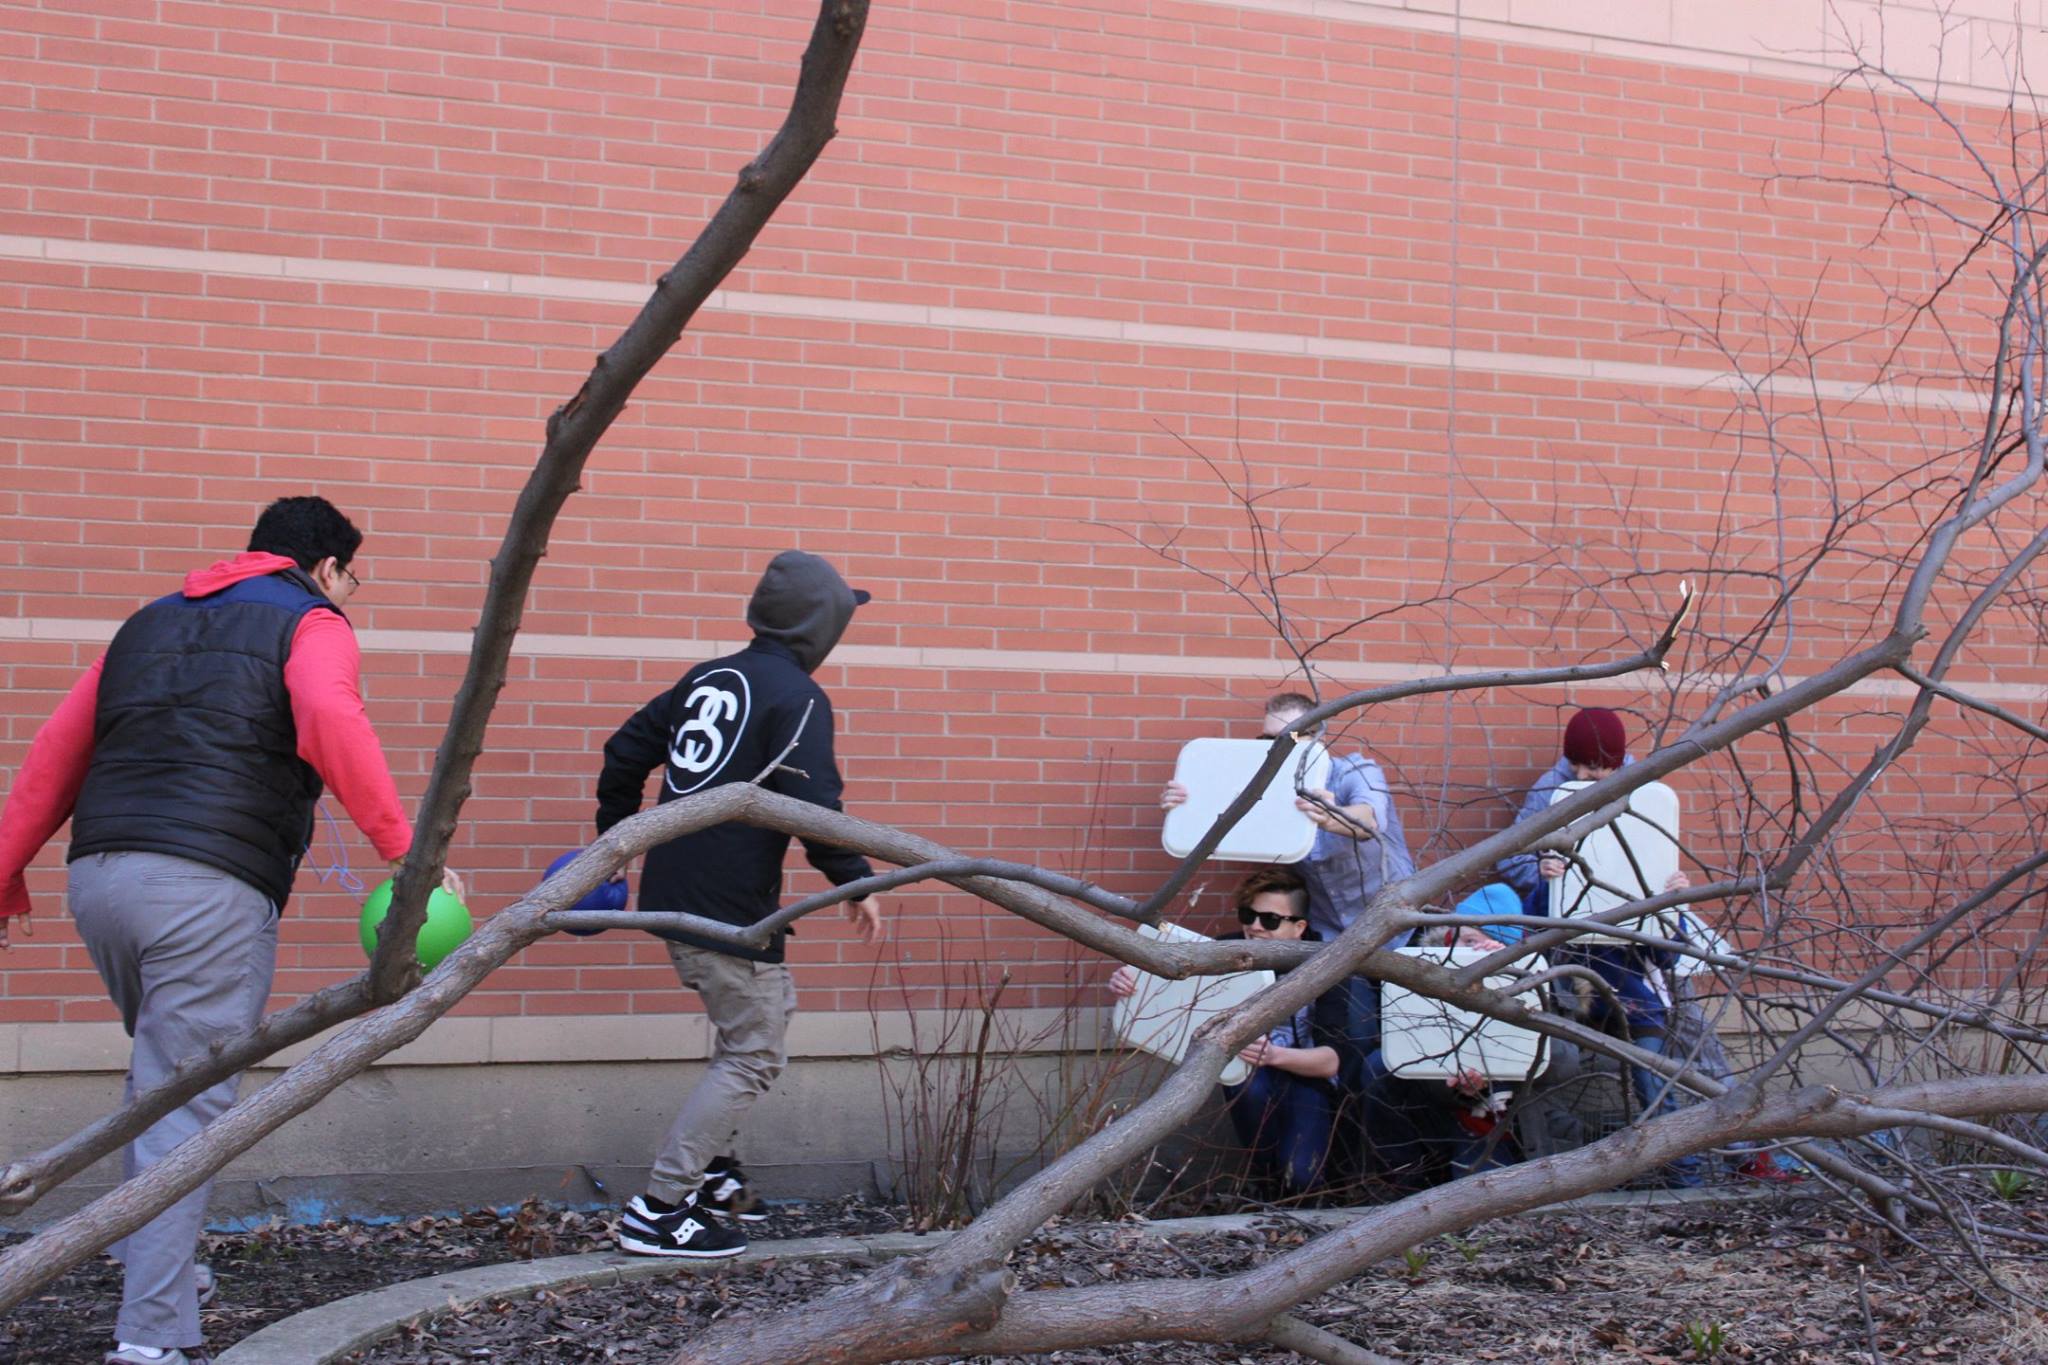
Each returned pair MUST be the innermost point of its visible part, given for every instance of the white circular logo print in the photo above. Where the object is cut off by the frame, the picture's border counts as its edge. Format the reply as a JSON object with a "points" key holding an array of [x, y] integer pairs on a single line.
{"points": [[716, 710]]}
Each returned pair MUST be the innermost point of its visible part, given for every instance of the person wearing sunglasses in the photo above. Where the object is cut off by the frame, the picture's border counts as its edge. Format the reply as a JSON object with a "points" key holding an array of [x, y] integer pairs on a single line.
{"points": [[1287, 1111]]}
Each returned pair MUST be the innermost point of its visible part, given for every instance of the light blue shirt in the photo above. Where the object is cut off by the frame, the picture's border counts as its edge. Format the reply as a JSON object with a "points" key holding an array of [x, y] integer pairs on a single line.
{"points": [[1344, 873]]}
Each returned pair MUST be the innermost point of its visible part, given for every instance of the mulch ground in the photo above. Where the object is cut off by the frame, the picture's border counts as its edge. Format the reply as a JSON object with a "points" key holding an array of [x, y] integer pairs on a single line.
{"points": [[279, 1270], [1789, 1282]]}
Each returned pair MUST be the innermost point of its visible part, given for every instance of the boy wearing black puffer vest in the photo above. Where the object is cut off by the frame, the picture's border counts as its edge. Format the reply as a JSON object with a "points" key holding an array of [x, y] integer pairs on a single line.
{"points": [[189, 759]]}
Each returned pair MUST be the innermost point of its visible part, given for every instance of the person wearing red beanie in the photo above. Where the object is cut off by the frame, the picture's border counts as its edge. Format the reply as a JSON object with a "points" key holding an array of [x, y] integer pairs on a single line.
{"points": [[1595, 738], [1596, 746]]}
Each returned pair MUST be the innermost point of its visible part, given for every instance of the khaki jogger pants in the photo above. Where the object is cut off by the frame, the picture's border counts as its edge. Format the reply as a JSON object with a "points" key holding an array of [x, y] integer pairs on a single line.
{"points": [[749, 1004]]}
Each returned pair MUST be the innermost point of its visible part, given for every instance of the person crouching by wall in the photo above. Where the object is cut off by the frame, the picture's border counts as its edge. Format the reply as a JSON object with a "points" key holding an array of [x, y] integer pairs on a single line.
{"points": [[1286, 1112]]}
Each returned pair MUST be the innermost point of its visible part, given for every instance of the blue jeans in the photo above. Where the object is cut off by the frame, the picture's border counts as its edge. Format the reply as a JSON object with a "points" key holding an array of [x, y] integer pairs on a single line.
{"points": [[1285, 1122]]}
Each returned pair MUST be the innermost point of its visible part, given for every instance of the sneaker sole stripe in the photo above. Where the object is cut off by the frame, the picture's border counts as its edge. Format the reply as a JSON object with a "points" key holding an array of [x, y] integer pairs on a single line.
{"points": [[639, 1248]]}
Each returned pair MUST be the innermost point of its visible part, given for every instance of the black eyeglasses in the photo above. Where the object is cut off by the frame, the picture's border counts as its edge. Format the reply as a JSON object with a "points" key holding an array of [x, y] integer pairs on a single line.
{"points": [[353, 581], [1270, 923]]}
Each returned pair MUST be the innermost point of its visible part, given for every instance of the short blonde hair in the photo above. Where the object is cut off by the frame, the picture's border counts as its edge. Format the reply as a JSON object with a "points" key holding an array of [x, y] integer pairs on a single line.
{"points": [[1291, 706], [1280, 703]]}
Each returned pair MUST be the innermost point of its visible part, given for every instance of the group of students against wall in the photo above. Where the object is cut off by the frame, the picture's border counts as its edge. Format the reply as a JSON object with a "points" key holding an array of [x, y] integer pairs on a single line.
{"points": [[1322, 1109]]}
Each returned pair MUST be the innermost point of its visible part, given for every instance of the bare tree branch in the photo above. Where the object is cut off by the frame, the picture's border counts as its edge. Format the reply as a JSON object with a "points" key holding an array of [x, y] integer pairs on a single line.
{"points": [[574, 430]]}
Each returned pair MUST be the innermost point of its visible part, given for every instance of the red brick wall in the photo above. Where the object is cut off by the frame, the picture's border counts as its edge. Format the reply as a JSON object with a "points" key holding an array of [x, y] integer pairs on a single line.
{"points": [[244, 254]]}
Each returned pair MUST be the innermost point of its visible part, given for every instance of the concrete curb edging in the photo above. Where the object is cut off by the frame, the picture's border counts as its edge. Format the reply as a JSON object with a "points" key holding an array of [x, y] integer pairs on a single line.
{"points": [[332, 1330], [321, 1335]]}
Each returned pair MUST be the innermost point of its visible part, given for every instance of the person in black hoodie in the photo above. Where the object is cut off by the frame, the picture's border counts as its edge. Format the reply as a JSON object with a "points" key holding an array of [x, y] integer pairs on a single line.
{"points": [[727, 721]]}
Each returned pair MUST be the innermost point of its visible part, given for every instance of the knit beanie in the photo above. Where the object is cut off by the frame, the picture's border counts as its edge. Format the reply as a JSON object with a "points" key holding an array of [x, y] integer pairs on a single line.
{"points": [[1596, 738], [1495, 898]]}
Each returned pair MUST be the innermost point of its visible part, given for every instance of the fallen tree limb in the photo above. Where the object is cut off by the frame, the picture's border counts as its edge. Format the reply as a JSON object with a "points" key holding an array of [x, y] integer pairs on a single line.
{"points": [[1238, 1307]]}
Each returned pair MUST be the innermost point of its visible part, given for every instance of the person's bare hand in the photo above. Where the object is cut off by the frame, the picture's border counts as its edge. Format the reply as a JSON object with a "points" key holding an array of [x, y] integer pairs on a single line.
{"points": [[1320, 805], [1174, 795], [1468, 1082], [1550, 867], [451, 880], [1123, 981], [865, 915], [1315, 803], [1678, 881], [1257, 1052]]}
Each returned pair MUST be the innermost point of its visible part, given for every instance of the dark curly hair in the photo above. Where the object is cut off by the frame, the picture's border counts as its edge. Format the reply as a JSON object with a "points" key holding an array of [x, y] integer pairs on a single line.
{"points": [[306, 530]]}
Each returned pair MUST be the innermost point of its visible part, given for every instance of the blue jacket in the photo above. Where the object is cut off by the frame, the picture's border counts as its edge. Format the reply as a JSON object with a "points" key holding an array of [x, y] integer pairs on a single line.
{"points": [[1519, 869]]}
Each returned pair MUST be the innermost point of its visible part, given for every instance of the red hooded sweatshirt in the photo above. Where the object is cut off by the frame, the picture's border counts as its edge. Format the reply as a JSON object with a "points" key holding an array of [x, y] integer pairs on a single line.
{"points": [[335, 737]]}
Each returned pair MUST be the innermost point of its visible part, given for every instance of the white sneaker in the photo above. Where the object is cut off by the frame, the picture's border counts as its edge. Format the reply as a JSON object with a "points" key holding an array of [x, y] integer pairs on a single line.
{"points": [[126, 1354], [682, 1231], [203, 1280], [727, 1193]]}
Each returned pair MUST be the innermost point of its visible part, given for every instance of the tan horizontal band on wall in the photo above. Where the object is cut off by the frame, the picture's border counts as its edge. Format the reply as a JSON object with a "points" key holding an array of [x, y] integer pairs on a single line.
{"points": [[329, 271], [39, 1049], [1967, 45], [1265, 672]]}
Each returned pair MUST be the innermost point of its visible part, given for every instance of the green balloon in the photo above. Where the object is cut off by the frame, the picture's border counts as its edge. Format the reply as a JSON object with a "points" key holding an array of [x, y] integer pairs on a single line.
{"points": [[448, 924]]}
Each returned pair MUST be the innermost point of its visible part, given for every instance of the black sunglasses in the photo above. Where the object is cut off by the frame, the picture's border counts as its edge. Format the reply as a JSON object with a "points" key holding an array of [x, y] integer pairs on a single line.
{"points": [[1270, 923]]}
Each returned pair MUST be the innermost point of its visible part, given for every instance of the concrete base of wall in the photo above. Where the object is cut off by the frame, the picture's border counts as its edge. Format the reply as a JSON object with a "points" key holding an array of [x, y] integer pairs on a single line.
{"points": [[411, 1139], [453, 1126]]}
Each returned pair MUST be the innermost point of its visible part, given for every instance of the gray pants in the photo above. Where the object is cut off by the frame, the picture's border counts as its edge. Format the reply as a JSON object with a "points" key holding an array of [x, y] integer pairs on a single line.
{"points": [[749, 1004], [187, 953]]}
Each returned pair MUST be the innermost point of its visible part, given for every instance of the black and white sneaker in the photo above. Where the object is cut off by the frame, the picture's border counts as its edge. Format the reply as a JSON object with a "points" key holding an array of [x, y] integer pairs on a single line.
{"points": [[725, 1192], [651, 1228]]}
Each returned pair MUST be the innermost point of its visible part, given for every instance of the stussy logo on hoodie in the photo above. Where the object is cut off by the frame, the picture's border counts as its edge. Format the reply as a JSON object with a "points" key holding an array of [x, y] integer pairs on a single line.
{"points": [[718, 706]]}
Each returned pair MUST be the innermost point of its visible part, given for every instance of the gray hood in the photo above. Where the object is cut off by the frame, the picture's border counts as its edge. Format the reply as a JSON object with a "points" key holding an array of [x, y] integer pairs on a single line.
{"points": [[803, 605]]}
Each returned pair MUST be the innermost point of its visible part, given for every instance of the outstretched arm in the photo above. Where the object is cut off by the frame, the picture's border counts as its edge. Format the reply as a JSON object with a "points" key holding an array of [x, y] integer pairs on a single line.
{"points": [[323, 678], [45, 790], [636, 749], [1314, 1063]]}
